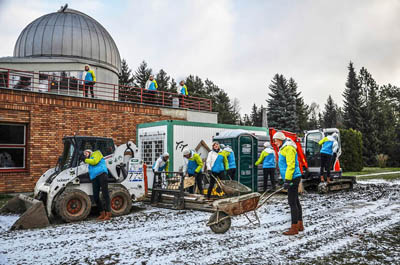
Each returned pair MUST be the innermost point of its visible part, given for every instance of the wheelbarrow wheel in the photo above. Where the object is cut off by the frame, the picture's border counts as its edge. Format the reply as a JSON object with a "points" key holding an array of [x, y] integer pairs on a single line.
{"points": [[223, 225]]}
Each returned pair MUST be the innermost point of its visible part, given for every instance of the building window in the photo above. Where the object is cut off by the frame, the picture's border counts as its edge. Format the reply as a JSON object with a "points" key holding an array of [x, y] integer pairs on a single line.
{"points": [[152, 147], [12, 146]]}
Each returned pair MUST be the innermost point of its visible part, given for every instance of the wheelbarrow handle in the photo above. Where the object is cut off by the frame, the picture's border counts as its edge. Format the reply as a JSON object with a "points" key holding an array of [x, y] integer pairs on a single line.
{"points": [[264, 200]]}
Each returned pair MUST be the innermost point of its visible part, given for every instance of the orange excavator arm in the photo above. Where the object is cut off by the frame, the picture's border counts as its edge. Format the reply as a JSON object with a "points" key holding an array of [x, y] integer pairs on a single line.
{"points": [[300, 154]]}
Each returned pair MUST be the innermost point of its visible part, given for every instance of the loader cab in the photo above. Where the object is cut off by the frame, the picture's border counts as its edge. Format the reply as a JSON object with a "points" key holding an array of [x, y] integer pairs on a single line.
{"points": [[75, 145]]}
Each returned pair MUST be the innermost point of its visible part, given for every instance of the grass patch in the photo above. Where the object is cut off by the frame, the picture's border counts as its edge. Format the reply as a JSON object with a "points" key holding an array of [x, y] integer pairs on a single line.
{"points": [[371, 170], [385, 177]]}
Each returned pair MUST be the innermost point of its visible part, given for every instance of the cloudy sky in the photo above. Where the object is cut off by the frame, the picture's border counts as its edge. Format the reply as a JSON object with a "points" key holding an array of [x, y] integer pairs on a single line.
{"points": [[240, 45]]}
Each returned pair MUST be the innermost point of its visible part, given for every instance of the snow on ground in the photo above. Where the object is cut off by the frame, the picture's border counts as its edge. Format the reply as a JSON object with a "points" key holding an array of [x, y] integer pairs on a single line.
{"points": [[345, 227]]}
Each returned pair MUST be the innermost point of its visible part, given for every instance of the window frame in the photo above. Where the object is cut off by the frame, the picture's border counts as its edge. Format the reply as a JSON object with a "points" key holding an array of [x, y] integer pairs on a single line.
{"points": [[23, 146]]}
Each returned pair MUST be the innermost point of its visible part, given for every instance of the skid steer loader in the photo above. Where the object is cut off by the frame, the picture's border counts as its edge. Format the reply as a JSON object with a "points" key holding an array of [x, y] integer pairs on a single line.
{"points": [[66, 190]]}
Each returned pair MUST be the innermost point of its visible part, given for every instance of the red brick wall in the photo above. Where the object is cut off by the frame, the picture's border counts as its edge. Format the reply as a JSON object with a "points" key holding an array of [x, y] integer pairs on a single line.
{"points": [[50, 117]]}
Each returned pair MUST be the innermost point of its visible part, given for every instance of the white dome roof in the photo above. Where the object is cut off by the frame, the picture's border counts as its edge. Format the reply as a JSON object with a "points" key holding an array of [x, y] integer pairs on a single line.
{"points": [[68, 33]]}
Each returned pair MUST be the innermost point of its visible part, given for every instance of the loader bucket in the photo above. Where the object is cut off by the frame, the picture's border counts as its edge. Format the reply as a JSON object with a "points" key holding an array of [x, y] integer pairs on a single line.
{"points": [[33, 212]]}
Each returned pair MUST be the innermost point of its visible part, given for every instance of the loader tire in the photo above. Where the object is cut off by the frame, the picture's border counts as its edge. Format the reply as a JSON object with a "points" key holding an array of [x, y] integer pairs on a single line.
{"points": [[73, 205], [121, 202]]}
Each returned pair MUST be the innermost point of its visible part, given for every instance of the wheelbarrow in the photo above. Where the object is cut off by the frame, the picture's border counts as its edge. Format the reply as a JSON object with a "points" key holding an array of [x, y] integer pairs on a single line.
{"points": [[224, 209], [231, 187]]}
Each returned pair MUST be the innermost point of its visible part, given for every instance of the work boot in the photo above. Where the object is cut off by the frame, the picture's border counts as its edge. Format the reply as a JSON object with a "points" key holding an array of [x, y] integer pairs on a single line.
{"points": [[300, 226], [322, 179], [292, 230], [101, 216], [107, 217]]}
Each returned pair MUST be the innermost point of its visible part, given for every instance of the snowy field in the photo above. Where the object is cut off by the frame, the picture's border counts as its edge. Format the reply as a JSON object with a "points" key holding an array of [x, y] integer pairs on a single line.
{"points": [[359, 227]]}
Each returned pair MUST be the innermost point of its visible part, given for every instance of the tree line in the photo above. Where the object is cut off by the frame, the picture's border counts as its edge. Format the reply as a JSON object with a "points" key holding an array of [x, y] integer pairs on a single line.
{"points": [[228, 111], [368, 108]]}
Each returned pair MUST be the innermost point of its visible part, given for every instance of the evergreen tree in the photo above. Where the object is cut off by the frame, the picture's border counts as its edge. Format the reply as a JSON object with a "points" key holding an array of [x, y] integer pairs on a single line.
{"points": [[277, 103], [302, 111], [125, 77], [369, 130], [330, 114], [352, 101], [254, 115], [173, 86], [141, 75], [196, 87], [291, 104], [125, 81], [163, 81], [246, 120]]}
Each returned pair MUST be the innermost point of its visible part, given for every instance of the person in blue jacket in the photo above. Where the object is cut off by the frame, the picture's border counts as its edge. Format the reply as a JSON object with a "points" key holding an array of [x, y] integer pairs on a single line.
{"points": [[216, 163], [267, 158], [230, 155], [183, 91], [329, 147], [98, 174], [291, 175]]}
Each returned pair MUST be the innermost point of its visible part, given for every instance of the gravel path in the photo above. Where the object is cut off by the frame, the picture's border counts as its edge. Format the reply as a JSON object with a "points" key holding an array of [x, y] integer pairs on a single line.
{"points": [[345, 227]]}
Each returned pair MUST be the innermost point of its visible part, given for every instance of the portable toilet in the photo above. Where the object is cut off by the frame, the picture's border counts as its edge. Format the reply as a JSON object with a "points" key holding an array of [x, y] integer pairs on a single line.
{"points": [[245, 147]]}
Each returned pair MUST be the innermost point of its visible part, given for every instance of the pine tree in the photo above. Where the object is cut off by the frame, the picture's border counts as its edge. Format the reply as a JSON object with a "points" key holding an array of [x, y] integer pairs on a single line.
{"points": [[125, 81], [291, 107], [141, 75], [254, 115], [329, 116], [173, 86], [236, 110], [369, 130], [163, 81], [352, 101], [277, 102]]}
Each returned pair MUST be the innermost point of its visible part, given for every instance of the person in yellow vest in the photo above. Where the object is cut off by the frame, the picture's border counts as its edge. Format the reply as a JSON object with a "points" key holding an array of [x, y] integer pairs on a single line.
{"points": [[90, 80], [291, 175]]}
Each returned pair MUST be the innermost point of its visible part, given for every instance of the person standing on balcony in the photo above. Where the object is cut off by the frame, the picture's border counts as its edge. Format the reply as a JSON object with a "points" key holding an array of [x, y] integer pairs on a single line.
{"points": [[90, 80], [184, 93], [151, 89]]}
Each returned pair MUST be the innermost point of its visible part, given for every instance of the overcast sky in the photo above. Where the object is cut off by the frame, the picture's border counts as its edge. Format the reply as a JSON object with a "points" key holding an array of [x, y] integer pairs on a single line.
{"points": [[240, 45]]}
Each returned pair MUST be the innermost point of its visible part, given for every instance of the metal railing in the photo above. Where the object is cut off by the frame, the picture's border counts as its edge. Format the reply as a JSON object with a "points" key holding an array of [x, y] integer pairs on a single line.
{"points": [[71, 86]]}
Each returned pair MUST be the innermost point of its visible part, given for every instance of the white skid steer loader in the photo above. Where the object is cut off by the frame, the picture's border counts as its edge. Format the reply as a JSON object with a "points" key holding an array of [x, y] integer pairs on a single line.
{"points": [[66, 190]]}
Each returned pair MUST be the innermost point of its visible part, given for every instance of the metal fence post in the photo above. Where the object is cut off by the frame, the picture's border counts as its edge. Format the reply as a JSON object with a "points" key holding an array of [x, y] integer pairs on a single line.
{"points": [[141, 95], [8, 79]]}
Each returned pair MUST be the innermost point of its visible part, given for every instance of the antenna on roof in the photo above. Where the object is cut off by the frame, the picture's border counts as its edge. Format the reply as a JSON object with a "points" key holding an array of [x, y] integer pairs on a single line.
{"points": [[62, 8]]}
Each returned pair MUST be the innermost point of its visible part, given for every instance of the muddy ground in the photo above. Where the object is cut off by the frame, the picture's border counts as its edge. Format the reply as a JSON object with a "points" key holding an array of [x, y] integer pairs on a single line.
{"points": [[359, 227]]}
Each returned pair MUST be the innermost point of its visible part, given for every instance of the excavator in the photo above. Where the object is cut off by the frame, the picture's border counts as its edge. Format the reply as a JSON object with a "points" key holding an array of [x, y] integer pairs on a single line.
{"points": [[65, 191], [308, 156]]}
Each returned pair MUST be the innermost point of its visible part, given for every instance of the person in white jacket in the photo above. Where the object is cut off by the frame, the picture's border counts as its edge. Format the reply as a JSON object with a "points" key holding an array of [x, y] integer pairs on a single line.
{"points": [[216, 163]]}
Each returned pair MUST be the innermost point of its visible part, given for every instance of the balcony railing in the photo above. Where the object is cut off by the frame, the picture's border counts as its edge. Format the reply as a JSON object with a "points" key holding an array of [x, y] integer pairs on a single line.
{"points": [[71, 86]]}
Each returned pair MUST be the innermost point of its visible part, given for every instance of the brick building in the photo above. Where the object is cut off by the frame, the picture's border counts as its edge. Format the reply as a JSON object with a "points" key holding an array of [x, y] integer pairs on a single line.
{"points": [[39, 121]]}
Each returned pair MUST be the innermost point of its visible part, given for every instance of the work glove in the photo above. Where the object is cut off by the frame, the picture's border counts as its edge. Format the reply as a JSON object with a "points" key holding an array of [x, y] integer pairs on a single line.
{"points": [[287, 184]]}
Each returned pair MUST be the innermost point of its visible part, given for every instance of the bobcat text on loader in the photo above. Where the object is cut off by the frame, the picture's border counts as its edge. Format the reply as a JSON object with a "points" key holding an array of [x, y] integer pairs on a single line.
{"points": [[66, 190]]}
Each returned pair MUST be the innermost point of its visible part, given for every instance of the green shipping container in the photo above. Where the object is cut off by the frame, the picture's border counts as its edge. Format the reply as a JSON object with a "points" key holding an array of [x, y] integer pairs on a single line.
{"points": [[245, 148]]}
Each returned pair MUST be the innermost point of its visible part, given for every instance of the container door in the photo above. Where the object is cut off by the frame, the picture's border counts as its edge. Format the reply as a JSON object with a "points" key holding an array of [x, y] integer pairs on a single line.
{"points": [[245, 161]]}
